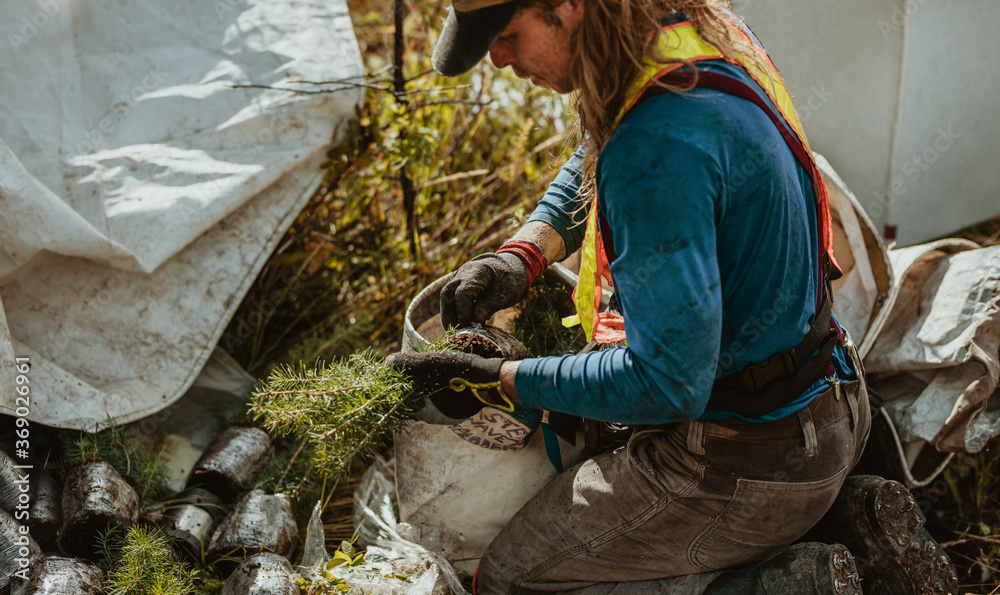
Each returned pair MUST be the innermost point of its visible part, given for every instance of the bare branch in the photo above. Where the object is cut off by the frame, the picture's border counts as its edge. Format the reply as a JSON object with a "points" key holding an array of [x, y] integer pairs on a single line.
{"points": [[453, 178], [417, 106]]}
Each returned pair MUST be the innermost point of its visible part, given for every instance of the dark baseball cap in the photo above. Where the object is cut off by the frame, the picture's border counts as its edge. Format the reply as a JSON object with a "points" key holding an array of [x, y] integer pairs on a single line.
{"points": [[469, 31]]}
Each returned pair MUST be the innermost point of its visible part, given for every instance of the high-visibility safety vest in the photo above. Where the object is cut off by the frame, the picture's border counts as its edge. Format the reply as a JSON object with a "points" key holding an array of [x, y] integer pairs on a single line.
{"points": [[681, 41]]}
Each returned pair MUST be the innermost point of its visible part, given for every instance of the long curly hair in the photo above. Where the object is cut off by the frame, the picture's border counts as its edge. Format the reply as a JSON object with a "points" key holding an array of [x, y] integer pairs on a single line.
{"points": [[608, 50]]}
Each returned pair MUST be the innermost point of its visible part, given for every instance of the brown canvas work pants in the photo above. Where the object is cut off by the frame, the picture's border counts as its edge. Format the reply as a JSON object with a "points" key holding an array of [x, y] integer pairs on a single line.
{"points": [[688, 499]]}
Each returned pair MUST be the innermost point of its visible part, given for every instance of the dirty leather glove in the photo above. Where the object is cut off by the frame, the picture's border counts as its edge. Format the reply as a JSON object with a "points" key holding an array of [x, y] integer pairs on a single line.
{"points": [[484, 285], [458, 384]]}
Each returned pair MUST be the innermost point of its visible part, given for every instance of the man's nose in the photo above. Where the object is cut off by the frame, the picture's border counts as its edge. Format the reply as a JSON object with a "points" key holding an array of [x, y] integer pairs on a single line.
{"points": [[500, 54]]}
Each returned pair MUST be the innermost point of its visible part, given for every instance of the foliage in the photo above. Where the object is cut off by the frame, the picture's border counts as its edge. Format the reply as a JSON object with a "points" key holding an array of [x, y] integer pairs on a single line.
{"points": [[972, 512], [136, 462], [539, 326], [345, 567], [140, 562], [346, 410], [345, 270]]}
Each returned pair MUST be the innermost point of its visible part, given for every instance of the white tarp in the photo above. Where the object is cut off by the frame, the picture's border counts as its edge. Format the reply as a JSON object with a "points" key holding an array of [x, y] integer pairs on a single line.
{"points": [[140, 192], [937, 360]]}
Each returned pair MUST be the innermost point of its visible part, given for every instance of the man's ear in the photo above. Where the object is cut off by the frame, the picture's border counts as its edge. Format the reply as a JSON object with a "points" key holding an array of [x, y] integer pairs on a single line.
{"points": [[570, 12]]}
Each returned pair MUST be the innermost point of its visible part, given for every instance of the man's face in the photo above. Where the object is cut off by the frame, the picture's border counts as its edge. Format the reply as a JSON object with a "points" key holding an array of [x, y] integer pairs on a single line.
{"points": [[536, 48]]}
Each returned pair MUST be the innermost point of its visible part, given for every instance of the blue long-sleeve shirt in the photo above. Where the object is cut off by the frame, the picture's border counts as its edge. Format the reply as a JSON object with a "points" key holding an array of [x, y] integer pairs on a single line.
{"points": [[714, 225]]}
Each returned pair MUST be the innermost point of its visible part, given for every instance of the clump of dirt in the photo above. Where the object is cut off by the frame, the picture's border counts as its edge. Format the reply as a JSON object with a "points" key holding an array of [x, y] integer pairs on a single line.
{"points": [[476, 344], [489, 341]]}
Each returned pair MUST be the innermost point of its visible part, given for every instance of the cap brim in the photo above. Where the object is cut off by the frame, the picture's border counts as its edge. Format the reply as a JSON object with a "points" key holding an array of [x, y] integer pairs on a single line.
{"points": [[468, 36]]}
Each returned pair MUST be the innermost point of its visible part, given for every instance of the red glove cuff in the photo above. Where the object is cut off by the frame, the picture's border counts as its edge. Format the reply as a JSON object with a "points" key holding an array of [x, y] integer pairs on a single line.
{"points": [[532, 256]]}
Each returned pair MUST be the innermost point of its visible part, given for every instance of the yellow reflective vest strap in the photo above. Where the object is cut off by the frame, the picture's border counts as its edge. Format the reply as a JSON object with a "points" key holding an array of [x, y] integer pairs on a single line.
{"points": [[587, 295], [680, 41]]}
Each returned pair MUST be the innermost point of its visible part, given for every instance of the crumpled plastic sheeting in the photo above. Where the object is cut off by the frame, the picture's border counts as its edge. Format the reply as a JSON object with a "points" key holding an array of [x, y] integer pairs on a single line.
{"points": [[937, 359], [391, 545], [141, 193]]}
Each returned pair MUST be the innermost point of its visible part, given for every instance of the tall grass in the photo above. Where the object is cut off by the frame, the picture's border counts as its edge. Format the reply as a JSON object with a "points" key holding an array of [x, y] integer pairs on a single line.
{"points": [[479, 150]]}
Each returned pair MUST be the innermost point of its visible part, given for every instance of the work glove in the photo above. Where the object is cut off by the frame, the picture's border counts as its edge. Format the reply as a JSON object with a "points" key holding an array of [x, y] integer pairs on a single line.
{"points": [[484, 285], [458, 384]]}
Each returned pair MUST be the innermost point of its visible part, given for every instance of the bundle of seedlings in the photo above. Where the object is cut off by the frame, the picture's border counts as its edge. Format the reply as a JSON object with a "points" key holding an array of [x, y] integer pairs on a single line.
{"points": [[138, 463], [350, 409], [231, 462], [263, 573], [294, 473], [196, 513], [259, 522], [346, 410], [106, 478], [32, 496], [16, 548], [94, 497], [105, 496]]}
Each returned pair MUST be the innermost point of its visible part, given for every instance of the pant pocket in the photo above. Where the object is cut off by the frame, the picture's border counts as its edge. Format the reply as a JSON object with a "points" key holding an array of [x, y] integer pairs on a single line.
{"points": [[761, 517]]}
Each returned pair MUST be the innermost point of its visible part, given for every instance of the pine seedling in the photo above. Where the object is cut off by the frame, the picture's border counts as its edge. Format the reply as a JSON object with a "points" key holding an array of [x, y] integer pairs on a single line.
{"points": [[138, 463], [142, 563], [345, 410]]}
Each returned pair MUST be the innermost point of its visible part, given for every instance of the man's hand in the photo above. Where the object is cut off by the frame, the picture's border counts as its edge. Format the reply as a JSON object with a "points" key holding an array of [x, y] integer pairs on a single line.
{"points": [[459, 384], [484, 285]]}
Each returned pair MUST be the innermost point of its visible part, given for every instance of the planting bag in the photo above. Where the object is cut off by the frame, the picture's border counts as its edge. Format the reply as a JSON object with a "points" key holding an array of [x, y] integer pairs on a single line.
{"points": [[937, 360], [466, 479], [142, 190]]}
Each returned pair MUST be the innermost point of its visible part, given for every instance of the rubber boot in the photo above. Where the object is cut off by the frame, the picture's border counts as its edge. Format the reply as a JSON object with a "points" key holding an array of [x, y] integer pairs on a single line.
{"points": [[880, 522], [801, 568]]}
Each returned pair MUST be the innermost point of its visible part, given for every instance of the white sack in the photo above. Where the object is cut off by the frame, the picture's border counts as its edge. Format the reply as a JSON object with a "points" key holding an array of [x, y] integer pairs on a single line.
{"points": [[140, 193], [937, 360]]}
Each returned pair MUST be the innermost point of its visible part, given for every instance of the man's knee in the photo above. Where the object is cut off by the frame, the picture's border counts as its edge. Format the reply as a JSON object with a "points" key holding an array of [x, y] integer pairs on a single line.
{"points": [[491, 580]]}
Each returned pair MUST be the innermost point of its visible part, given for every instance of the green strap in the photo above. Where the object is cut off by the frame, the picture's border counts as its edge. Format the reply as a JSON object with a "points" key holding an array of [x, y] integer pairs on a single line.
{"points": [[552, 446]]}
